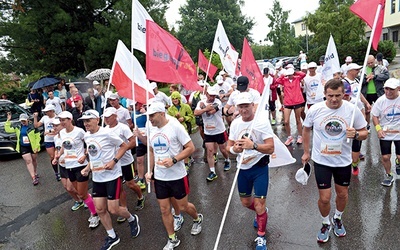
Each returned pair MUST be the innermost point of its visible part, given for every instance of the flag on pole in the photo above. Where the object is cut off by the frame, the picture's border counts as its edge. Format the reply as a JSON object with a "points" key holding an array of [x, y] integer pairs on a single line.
{"points": [[223, 48], [122, 71], [365, 9], [331, 64], [167, 60], [139, 17], [250, 68], [203, 65]]}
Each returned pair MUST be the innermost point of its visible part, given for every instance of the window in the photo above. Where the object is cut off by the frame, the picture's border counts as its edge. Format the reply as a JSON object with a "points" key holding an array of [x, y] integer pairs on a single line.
{"points": [[385, 36], [303, 26], [393, 6], [395, 36]]}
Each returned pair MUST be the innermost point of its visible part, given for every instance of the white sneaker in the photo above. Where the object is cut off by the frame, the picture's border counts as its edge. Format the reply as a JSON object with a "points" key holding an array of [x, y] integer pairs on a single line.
{"points": [[171, 244], [94, 221], [196, 228], [178, 221]]}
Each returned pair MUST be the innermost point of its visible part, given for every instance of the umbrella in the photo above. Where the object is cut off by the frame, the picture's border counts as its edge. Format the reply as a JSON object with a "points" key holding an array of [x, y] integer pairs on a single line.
{"points": [[45, 81], [30, 85], [99, 74]]}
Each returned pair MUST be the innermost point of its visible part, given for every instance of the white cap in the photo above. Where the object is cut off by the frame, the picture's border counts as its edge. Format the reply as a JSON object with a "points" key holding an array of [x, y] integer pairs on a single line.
{"points": [[219, 79], [89, 114], [201, 83], [49, 107], [289, 71], [113, 96], [348, 59], [65, 114], [303, 174], [153, 85], [156, 107], [353, 66], [221, 73], [391, 83], [278, 64], [289, 66], [304, 66], [109, 111], [96, 83], [212, 91], [23, 117], [243, 98], [56, 121], [312, 65]]}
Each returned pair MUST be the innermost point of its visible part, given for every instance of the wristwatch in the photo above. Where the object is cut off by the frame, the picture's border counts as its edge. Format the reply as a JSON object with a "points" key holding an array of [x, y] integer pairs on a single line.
{"points": [[356, 135], [255, 146], [174, 160], [115, 160]]}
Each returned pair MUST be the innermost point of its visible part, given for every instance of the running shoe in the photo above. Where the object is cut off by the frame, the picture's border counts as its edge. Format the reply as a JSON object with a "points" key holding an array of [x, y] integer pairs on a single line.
{"points": [[397, 166], [121, 219], [354, 168], [323, 234], [261, 243], [134, 225], [141, 184], [369, 129], [212, 176], [299, 139], [171, 244], [196, 228], [77, 205], [58, 177], [94, 221], [289, 141], [140, 203], [255, 224], [178, 222], [387, 182], [110, 242], [35, 181], [273, 122], [361, 157], [215, 158], [191, 160], [338, 228], [227, 165]]}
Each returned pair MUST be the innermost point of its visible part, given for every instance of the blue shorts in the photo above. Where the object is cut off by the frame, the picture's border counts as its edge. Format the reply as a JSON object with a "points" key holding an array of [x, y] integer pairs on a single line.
{"points": [[257, 177], [49, 144]]}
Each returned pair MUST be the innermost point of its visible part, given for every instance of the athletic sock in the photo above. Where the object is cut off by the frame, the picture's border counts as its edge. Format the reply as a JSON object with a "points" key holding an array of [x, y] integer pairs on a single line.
{"points": [[262, 223], [212, 169], [338, 214], [325, 220], [111, 233], [131, 218], [172, 236], [89, 202]]}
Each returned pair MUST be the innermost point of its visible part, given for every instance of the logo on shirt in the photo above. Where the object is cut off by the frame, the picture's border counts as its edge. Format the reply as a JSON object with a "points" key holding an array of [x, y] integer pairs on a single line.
{"points": [[67, 144], [160, 143], [94, 149], [333, 128]]}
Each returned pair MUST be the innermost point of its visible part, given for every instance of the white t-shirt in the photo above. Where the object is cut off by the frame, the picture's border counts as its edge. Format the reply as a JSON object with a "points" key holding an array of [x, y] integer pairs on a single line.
{"points": [[344, 69], [314, 89], [167, 142], [388, 112], [355, 86], [222, 89], [360, 105], [123, 131], [261, 131], [56, 102], [58, 144], [48, 126], [74, 148], [163, 98], [213, 124], [123, 115], [102, 147], [330, 145], [254, 93], [229, 81]]}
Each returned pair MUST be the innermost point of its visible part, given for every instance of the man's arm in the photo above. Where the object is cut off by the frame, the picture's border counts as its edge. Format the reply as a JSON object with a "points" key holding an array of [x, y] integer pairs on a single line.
{"points": [[306, 144]]}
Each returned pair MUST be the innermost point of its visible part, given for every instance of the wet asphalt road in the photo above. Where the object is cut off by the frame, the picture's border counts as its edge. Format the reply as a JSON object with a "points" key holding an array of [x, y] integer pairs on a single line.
{"points": [[40, 217]]}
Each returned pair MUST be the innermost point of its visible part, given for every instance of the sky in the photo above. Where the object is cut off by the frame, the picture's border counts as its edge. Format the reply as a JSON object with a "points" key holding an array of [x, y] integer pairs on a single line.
{"points": [[253, 8]]}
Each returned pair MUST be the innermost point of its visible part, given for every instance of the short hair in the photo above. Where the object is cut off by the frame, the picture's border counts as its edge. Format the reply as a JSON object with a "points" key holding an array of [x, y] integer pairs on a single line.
{"points": [[334, 84]]}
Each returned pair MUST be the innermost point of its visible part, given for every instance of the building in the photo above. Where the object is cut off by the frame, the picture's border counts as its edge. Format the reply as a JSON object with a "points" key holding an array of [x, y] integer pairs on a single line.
{"points": [[300, 28]]}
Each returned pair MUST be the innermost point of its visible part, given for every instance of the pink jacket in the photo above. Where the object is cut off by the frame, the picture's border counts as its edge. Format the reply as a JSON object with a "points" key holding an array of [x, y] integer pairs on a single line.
{"points": [[293, 94]]}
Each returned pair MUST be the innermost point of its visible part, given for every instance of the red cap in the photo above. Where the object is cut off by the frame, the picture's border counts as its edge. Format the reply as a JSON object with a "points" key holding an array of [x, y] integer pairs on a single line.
{"points": [[77, 98]]}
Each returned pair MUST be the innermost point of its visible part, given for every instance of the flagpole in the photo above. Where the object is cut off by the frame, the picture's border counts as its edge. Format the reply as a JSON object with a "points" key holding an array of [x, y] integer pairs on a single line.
{"points": [[259, 107], [378, 9], [133, 74], [208, 66]]}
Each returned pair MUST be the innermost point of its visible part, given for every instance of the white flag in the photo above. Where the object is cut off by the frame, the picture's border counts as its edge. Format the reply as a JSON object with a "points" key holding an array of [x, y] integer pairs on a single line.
{"points": [[223, 48], [139, 17], [331, 64]]}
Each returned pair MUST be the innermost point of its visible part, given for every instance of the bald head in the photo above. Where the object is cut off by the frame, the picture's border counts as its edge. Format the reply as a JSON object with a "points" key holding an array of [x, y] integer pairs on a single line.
{"points": [[371, 61]]}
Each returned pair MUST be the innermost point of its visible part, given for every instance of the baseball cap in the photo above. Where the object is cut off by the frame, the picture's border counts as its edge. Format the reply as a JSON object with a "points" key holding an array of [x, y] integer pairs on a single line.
{"points": [[312, 65], [303, 174], [56, 121], [153, 85], [96, 83], [322, 59], [353, 66], [156, 107], [278, 64], [23, 117], [265, 71], [289, 71], [391, 83], [65, 114], [48, 108], [289, 66], [89, 114], [77, 98], [348, 59], [242, 83], [109, 112], [243, 98], [347, 88], [219, 79], [201, 83], [304, 66], [212, 91], [113, 96]]}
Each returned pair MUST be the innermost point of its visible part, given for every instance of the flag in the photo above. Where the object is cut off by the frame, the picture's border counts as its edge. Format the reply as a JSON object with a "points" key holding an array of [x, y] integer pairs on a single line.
{"points": [[139, 17], [366, 10], [249, 68], [203, 65], [167, 60], [122, 72], [331, 63], [223, 48]]}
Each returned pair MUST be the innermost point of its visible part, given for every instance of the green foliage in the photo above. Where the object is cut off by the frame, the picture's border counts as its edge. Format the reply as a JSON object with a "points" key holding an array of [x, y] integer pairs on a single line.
{"points": [[200, 19], [215, 61]]}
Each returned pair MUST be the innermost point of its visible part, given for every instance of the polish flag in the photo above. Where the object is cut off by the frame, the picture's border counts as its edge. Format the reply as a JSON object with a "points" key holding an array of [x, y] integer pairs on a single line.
{"points": [[250, 68], [366, 10], [126, 66], [203, 65]]}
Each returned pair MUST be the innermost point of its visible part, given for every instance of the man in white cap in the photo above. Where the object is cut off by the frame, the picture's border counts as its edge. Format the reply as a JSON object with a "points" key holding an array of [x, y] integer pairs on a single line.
{"points": [[227, 78], [313, 85], [256, 145], [160, 96], [347, 61], [302, 58], [169, 146], [122, 113], [331, 153], [386, 118], [223, 88]]}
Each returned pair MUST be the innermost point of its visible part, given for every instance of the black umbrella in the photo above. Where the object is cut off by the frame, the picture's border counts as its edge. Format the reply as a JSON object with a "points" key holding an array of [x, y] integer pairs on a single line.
{"points": [[30, 85], [45, 81]]}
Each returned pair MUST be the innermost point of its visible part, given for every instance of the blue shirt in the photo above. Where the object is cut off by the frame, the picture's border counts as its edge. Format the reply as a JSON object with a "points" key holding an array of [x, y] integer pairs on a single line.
{"points": [[22, 135]]}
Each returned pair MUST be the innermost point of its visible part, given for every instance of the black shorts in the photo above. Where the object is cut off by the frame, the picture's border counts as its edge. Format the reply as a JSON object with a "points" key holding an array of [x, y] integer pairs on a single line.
{"points": [[278, 91], [25, 150], [74, 174], [218, 138], [386, 147], [356, 146], [109, 189], [272, 106], [323, 175], [141, 150], [63, 172], [371, 98], [127, 172], [178, 189], [301, 105]]}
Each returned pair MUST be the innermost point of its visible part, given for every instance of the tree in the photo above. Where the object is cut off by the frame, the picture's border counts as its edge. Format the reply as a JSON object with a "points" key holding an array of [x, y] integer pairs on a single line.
{"points": [[280, 35], [200, 19]]}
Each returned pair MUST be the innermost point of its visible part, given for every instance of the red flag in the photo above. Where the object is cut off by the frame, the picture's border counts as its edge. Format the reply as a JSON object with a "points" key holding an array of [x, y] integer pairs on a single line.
{"points": [[366, 10], [203, 65], [166, 59], [125, 67], [250, 68]]}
